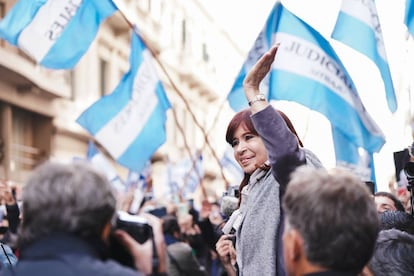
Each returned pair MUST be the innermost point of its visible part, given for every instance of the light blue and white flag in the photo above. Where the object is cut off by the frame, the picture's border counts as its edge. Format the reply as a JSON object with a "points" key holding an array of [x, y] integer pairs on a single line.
{"points": [[194, 176], [172, 187], [355, 159], [264, 41], [409, 16], [186, 176], [230, 165], [55, 33], [136, 179], [308, 71], [102, 164], [358, 26], [130, 122]]}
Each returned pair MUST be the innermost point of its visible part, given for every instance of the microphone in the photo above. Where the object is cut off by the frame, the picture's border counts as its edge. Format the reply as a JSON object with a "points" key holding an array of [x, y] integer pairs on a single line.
{"points": [[228, 205]]}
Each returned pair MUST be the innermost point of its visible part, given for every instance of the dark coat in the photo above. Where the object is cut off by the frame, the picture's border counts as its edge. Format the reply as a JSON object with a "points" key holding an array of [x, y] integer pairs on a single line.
{"points": [[66, 255], [182, 261]]}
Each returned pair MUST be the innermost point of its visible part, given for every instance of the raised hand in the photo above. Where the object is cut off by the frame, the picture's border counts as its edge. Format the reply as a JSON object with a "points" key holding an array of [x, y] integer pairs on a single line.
{"points": [[258, 72]]}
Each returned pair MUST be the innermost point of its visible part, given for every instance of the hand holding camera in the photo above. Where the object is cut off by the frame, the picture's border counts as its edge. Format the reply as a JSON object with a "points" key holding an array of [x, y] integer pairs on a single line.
{"points": [[138, 242]]}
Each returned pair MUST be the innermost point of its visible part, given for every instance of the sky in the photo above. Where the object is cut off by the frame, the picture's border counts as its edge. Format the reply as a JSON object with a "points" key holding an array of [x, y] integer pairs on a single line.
{"points": [[243, 20]]}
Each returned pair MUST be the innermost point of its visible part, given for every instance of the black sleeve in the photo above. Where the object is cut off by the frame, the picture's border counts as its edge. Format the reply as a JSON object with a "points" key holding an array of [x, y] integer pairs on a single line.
{"points": [[209, 233], [13, 216]]}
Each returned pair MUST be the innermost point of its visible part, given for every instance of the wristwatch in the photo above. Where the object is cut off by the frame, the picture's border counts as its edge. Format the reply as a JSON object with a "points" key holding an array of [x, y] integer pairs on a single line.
{"points": [[257, 98]]}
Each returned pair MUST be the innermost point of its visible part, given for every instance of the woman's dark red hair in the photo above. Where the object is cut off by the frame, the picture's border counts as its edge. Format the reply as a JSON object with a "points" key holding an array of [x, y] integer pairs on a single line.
{"points": [[244, 118]]}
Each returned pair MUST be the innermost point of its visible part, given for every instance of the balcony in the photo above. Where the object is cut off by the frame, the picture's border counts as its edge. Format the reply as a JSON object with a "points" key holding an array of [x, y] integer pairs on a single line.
{"points": [[20, 71]]}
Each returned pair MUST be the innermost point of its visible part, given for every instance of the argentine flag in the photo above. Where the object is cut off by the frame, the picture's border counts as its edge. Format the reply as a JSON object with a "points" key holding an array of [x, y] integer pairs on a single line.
{"points": [[355, 159], [358, 27], [229, 164], [308, 71], [55, 33], [409, 16], [186, 175], [130, 122], [101, 163], [194, 176]]}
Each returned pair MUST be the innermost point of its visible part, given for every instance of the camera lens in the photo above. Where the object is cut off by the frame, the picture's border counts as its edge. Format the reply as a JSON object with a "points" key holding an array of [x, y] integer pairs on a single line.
{"points": [[409, 170]]}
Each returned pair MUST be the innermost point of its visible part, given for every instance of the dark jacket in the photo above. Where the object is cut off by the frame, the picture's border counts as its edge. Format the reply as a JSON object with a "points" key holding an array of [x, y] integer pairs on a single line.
{"points": [[182, 261], [67, 255]]}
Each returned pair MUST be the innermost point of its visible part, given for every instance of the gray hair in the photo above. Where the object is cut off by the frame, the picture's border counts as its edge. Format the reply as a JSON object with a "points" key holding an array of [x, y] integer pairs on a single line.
{"points": [[336, 216], [70, 198], [393, 254]]}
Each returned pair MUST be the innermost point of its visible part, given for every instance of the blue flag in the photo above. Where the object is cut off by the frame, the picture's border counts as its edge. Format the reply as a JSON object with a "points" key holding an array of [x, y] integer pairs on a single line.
{"points": [[186, 175], [357, 160], [130, 122], [137, 179], [358, 27], [172, 191], [230, 165], [194, 176], [101, 163], [55, 33], [409, 16], [308, 71]]}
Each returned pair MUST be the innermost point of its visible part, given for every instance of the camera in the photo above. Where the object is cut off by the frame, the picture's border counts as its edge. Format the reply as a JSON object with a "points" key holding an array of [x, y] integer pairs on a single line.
{"points": [[371, 186], [232, 191], [411, 150], [409, 170], [229, 201], [137, 227]]}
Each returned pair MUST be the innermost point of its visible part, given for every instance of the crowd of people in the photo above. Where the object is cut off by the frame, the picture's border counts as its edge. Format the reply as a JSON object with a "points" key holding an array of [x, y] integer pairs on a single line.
{"points": [[290, 216]]}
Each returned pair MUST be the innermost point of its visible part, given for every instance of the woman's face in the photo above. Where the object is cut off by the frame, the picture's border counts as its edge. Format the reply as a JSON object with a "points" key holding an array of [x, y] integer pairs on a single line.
{"points": [[249, 149]]}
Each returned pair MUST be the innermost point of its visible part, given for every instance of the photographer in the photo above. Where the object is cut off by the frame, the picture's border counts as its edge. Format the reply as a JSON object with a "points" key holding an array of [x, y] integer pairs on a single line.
{"points": [[68, 220]]}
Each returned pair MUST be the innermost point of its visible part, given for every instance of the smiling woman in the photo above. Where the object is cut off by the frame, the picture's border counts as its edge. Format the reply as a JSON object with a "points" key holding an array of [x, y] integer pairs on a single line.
{"points": [[267, 148]]}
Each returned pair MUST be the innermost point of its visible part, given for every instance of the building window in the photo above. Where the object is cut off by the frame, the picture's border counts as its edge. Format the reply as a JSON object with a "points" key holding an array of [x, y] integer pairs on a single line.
{"points": [[30, 143]]}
